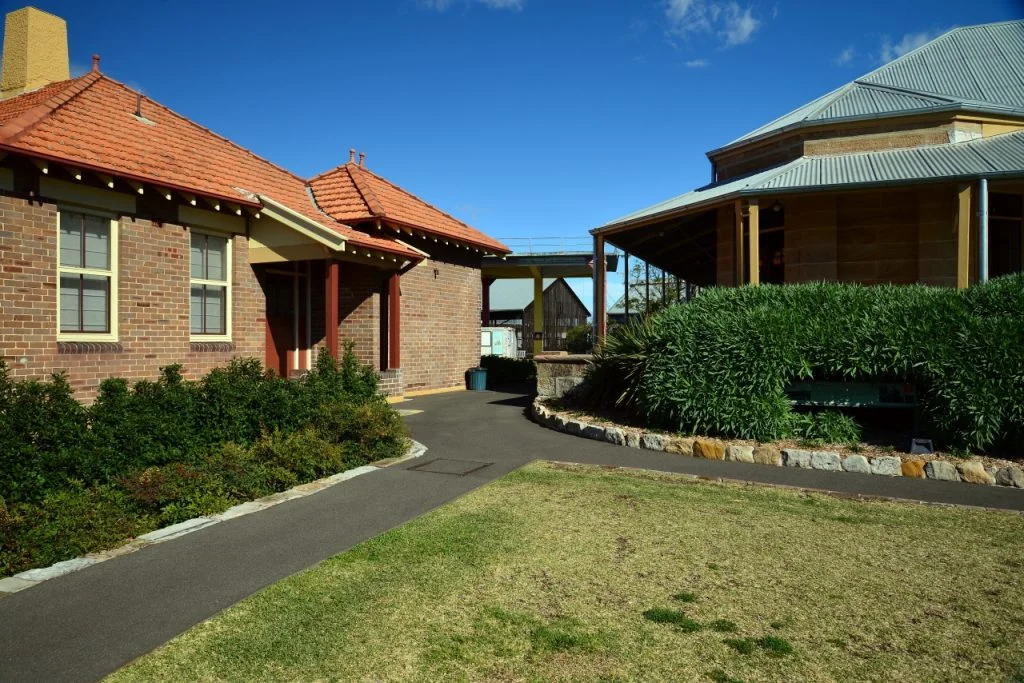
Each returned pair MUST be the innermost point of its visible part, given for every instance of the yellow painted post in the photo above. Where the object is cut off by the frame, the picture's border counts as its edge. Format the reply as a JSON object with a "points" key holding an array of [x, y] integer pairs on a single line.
{"points": [[963, 237], [738, 245], [538, 314], [753, 246]]}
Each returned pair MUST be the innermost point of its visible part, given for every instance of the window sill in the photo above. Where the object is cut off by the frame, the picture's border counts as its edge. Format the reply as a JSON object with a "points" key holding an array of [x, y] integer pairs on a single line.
{"points": [[78, 346], [74, 338], [210, 346]]}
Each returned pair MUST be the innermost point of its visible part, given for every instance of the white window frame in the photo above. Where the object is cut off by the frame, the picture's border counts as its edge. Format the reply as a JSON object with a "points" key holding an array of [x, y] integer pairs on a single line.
{"points": [[226, 283], [112, 273]]}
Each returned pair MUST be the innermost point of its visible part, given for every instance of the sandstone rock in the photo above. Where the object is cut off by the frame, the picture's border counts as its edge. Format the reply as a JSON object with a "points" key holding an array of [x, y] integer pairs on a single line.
{"points": [[574, 427], [593, 432], [614, 435], [632, 439], [767, 455], [941, 471], [974, 472], [709, 449], [739, 453], [545, 387], [653, 442], [1010, 476], [792, 457], [856, 463], [825, 460], [912, 468], [679, 446], [564, 386], [887, 465]]}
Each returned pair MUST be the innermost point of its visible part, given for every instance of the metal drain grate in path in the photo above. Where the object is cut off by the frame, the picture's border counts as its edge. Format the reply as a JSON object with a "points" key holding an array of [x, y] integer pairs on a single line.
{"points": [[459, 468]]}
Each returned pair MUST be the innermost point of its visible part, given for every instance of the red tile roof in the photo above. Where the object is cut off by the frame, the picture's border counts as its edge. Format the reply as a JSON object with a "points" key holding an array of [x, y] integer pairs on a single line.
{"points": [[89, 123], [354, 193]]}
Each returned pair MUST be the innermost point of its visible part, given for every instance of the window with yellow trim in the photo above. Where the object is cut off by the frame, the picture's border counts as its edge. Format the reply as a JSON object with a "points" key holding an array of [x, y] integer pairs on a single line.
{"points": [[210, 286], [87, 307]]}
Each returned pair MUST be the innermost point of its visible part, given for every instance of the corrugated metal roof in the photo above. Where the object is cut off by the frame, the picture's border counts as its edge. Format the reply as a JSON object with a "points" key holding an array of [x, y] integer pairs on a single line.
{"points": [[513, 295], [1000, 155], [972, 68]]}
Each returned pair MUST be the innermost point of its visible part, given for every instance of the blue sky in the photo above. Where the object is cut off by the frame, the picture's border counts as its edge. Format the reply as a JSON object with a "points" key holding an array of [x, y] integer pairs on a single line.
{"points": [[525, 118]]}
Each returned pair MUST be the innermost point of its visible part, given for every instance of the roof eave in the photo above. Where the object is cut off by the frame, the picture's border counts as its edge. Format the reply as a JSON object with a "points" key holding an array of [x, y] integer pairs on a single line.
{"points": [[612, 228], [821, 123]]}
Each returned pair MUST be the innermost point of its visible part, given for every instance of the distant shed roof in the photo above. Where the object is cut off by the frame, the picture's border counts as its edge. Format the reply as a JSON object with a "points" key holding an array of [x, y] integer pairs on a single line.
{"points": [[973, 68]]}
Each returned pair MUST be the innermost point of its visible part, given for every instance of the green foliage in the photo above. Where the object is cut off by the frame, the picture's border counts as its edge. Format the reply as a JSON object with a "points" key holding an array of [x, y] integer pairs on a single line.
{"points": [[685, 597], [502, 371], [579, 339], [723, 626], [826, 426], [720, 364], [75, 479]]}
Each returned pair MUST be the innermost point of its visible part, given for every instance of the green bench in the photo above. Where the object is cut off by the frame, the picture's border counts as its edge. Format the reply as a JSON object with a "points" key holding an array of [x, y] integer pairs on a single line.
{"points": [[853, 395]]}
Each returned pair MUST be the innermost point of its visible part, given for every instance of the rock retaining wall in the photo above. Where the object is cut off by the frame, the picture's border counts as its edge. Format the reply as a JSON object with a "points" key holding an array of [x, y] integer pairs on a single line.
{"points": [[714, 449], [559, 375]]}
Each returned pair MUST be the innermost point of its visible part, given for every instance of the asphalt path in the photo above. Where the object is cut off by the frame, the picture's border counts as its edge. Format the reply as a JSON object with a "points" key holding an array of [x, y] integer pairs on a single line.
{"points": [[84, 625]]}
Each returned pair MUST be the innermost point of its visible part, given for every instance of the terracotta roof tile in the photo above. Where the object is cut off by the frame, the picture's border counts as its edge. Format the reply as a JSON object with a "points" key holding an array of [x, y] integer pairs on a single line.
{"points": [[89, 122], [352, 193]]}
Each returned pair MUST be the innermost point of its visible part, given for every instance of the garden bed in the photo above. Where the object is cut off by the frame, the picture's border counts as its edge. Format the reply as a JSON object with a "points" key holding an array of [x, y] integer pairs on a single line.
{"points": [[837, 457], [77, 479]]}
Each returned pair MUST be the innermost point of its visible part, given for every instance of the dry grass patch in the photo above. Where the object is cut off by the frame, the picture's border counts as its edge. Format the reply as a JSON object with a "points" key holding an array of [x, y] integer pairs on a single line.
{"points": [[578, 573]]}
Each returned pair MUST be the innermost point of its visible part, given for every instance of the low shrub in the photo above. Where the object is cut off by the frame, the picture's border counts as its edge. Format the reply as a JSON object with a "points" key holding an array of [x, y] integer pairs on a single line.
{"points": [[77, 479], [720, 364], [826, 426], [579, 339], [502, 371]]}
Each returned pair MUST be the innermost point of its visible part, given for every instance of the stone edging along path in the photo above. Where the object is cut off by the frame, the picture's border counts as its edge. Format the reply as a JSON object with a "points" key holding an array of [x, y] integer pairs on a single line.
{"points": [[715, 449], [30, 577]]}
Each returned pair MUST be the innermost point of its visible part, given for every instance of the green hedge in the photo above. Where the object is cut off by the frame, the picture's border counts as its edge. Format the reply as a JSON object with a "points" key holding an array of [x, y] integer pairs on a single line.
{"points": [[502, 371], [720, 364], [75, 479]]}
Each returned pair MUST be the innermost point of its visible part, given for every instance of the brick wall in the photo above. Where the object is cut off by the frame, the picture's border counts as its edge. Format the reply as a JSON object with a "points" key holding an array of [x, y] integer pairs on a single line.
{"points": [[441, 299], [153, 310]]}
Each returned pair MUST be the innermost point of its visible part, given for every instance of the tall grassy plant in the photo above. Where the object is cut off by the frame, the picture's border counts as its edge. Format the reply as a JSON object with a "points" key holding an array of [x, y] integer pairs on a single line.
{"points": [[720, 364]]}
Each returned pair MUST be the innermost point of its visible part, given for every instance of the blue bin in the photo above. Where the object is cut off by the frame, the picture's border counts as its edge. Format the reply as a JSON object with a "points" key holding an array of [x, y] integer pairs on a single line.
{"points": [[477, 379]]}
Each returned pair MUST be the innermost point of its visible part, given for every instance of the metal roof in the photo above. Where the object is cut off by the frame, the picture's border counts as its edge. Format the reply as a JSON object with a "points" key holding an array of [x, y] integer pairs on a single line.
{"points": [[513, 295], [976, 68], [1000, 155]]}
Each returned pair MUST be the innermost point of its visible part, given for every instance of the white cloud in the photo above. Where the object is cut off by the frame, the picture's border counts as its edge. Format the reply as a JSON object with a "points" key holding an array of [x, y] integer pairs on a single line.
{"points": [[844, 57], [732, 23], [908, 42], [697, 63], [442, 5]]}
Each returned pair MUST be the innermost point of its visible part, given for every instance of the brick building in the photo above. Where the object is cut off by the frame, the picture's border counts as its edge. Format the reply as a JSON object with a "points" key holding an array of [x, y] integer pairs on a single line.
{"points": [[911, 173], [133, 238]]}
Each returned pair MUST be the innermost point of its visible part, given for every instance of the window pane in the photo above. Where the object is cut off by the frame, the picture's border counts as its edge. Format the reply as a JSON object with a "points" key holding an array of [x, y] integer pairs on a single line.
{"points": [[216, 248], [97, 242], [215, 309], [198, 252], [197, 309], [71, 239], [69, 285], [95, 304]]}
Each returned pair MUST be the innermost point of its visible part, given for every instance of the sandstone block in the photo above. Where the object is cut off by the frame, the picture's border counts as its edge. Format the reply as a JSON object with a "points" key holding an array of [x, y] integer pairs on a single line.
{"points": [[709, 449], [856, 463], [739, 453]]}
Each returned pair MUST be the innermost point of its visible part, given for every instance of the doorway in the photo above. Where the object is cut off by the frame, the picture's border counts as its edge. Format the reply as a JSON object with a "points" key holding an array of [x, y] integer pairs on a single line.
{"points": [[287, 341]]}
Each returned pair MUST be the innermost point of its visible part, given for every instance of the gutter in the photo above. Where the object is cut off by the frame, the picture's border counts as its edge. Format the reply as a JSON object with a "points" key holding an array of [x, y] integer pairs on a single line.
{"points": [[809, 189], [301, 224]]}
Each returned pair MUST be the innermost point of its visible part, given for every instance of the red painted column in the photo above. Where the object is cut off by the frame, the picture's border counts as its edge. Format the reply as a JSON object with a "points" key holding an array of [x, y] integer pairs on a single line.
{"points": [[485, 311], [394, 321], [332, 283]]}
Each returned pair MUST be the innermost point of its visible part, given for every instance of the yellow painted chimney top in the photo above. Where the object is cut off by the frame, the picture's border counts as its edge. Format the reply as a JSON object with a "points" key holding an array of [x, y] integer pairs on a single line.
{"points": [[35, 51]]}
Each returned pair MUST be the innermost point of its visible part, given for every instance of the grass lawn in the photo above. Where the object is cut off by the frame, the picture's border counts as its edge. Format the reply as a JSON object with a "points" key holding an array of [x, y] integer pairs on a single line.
{"points": [[578, 573]]}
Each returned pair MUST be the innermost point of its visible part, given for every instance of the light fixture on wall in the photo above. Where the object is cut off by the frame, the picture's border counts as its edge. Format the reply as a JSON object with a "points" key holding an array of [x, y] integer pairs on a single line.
{"points": [[777, 206]]}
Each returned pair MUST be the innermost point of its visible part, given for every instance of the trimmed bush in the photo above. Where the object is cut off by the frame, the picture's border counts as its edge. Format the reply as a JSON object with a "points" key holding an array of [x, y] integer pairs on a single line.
{"points": [[720, 364], [76, 479], [502, 371], [579, 339]]}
